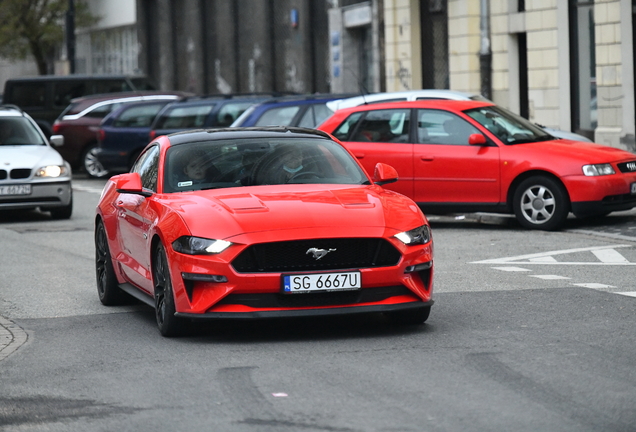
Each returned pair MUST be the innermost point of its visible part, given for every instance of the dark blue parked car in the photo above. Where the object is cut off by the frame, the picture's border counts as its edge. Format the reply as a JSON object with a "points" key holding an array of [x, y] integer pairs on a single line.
{"points": [[124, 133], [303, 111], [202, 112]]}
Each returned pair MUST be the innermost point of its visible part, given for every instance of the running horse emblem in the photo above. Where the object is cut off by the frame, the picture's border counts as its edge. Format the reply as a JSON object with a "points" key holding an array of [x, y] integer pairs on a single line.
{"points": [[318, 253]]}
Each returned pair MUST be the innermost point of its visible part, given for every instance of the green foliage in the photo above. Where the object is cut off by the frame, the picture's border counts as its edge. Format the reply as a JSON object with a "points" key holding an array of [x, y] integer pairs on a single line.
{"points": [[37, 27]]}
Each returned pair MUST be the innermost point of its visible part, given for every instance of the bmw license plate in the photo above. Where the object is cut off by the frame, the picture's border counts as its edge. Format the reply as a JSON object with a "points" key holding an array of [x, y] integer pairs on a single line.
{"points": [[326, 282], [15, 190], [633, 188]]}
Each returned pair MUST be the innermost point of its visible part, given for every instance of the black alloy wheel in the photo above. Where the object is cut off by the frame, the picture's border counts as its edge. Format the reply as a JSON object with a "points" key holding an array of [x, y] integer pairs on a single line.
{"points": [[109, 292], [541, 202], [169, 325]]}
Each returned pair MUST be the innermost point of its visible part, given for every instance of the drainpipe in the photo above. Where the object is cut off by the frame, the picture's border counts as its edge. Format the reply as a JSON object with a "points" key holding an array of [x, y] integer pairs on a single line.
{"points": [[485, 55]]}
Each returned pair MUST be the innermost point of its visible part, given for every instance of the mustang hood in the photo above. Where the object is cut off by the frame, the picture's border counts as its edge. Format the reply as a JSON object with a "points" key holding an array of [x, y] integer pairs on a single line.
{"points": [[225, 213]]}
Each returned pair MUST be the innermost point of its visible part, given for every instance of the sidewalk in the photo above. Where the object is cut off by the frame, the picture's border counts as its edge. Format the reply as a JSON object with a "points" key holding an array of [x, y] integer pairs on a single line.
{"points": [[12, 337]]}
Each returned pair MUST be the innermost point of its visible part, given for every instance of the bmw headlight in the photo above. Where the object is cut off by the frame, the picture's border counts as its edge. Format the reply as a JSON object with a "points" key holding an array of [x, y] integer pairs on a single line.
{"points": [[419, 235], [199, 246], [51, 171], [598, 170]]}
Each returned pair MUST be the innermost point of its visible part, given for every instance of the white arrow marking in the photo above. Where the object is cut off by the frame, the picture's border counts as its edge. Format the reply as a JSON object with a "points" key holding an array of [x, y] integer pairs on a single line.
{"points": [[609, 256], [543, 258]]}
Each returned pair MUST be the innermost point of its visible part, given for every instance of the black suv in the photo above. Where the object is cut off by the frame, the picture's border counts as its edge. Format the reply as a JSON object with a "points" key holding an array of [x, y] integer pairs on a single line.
{"points": [[45, 97]]}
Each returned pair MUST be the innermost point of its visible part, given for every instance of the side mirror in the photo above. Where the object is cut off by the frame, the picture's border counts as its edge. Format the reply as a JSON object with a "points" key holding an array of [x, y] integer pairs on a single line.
{"points": [[477, 139], [131, 184], [57, 140], [384, 174]]}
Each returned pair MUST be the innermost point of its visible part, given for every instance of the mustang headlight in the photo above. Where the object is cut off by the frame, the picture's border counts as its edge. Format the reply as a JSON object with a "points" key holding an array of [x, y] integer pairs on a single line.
{"points": [[51, 171], [598, 170], [419, 235], [199, 246]]}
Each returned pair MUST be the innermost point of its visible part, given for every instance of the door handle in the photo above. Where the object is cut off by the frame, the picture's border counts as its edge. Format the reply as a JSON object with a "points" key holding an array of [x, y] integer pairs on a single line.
{"points": [[359, 155], [427, 157]]}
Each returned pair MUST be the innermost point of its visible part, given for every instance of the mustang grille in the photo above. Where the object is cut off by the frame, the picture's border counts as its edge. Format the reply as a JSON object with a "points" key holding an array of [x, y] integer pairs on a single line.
{"points": [[294, 256], [627, 167]]}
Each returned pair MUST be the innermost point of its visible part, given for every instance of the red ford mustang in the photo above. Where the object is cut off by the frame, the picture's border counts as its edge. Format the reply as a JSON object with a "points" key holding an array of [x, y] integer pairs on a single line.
{"points": [[475, 156], [260, 222]]}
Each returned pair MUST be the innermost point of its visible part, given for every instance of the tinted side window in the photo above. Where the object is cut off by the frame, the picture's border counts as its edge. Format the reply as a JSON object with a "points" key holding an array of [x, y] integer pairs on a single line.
{"points": [[138, 116], [28, 95], [111, 86], [184, 117], [230, 112], [391, 125], [148, 168], [282, 116], [342, 132], [441, 127], [315, 115], [64, 91]]}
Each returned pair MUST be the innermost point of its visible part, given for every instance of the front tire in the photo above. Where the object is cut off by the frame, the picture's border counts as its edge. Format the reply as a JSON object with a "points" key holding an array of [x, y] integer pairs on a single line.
{"points": [[107, 288], [91, 164], [541, 203], [169, 325]]}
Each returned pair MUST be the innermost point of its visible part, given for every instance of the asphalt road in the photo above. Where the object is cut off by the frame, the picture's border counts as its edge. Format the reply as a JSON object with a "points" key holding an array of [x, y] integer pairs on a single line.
{"points": [[531, 331]]}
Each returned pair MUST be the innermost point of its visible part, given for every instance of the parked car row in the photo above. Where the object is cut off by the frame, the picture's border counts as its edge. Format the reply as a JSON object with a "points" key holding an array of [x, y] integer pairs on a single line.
{"points": [[454, 151]]}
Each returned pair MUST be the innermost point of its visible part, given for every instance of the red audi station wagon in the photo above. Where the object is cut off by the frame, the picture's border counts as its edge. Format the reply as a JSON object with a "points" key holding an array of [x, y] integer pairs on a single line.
{"points": [[469, 156]]}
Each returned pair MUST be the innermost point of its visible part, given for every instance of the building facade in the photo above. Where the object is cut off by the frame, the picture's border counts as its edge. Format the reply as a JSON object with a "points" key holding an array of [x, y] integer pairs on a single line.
{"points": [[566, 64]]}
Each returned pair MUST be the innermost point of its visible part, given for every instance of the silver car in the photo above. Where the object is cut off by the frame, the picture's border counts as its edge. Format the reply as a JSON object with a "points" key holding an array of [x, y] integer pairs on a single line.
{"points": [[32, 172]]}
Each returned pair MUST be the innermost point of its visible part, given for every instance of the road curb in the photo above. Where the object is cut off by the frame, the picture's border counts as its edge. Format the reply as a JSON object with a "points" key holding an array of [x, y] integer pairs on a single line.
{"points": [[12, 337]]}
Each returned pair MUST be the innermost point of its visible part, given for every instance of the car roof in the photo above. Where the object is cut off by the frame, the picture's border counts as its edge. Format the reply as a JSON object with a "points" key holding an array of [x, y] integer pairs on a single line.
{"points": [[75, 77], [247, 132], [408, 95], [459, 105], [83, 106]]}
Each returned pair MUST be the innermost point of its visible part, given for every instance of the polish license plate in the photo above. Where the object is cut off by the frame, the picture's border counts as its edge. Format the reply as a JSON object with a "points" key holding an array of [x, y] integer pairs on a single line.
{"points": [[325, 282], [15, 190], [633, 188]]}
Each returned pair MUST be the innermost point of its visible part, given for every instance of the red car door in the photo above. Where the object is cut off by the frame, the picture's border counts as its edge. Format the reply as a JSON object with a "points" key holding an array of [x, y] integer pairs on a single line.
{"points": [[449, 170], [134, 218], [381, 136]]}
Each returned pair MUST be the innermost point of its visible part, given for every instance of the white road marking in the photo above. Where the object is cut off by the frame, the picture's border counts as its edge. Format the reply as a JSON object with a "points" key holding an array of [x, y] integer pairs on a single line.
{"points": [[629, 293], [87, 189], [511, 269], [544, 259], [593, 285], [609, 256], [549, 277], [547, 258]]}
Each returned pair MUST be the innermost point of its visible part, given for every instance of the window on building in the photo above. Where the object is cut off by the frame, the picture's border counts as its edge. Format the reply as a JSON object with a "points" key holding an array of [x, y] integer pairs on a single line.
{"points": [[583, 67], [434, 25]]}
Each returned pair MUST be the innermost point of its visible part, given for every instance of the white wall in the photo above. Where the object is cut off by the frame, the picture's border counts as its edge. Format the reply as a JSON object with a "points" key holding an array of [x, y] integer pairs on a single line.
{"points": [[114, 13]]}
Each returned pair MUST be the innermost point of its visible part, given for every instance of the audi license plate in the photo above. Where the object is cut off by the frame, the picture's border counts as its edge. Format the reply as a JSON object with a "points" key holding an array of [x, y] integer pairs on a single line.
{"points": [[15, 190], [633, 188], [326, 282]]}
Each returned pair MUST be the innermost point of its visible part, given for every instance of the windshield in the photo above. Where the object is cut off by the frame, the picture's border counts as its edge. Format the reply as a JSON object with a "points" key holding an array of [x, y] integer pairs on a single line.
{"points": [[258, 161], [510, 128], [19, 131]]}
